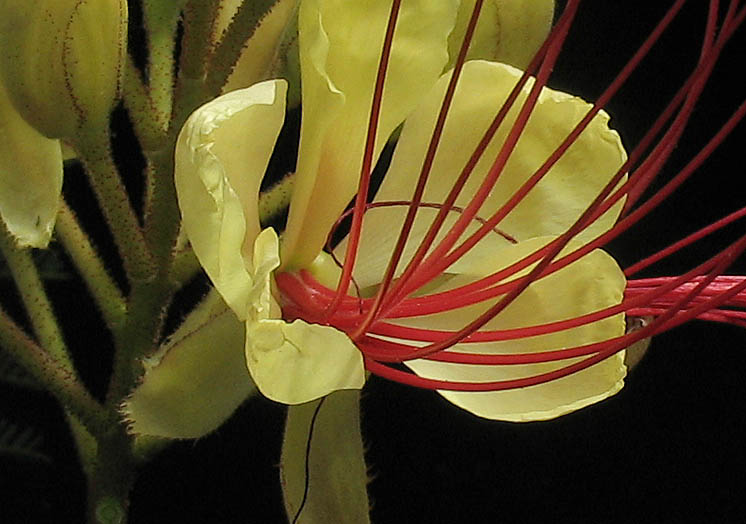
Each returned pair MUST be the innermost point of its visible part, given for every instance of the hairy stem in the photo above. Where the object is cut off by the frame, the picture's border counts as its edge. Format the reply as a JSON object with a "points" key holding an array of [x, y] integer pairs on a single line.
{"points": [[95, 152], [104, 290], [35, 300]]}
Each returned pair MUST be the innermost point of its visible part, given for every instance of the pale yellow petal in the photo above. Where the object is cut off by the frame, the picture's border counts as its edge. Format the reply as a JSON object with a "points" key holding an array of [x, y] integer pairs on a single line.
{"points": [[549, 209], [340, 46], [299, 362], [221, 156], [30, 178], [380, 232], [590, 284], [557, 201], [508, 31], [196, 380], [265, 259]]}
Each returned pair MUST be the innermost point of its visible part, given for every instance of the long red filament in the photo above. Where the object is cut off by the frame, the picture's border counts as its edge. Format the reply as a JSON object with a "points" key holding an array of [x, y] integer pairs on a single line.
{"points": [[702, 292], [367, 164], [415, 263], [640, 212], [424, 173], [438, 260]]}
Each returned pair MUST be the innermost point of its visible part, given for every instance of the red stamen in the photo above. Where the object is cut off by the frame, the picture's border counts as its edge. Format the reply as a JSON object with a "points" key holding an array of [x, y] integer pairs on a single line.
{"points": [[424, 173], [407, 275], [438, 261], [367, 165], [701, 293], [506, 150]]}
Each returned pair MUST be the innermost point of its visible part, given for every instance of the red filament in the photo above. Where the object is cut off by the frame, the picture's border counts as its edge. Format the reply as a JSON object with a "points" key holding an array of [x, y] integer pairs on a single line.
{"points": [[704, 292]]}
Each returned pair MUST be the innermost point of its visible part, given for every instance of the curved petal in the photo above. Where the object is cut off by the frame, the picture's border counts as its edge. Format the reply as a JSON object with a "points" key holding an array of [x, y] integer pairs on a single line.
{"points": [[30, 178], [340, 46], [298, 362], [590, 284], [508, 31], [196, 380], [561, 196], [221, 156]]}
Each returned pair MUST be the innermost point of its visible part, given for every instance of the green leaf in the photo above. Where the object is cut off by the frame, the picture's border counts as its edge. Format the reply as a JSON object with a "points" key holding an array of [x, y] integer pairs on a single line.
{"points": [[322, 468]]}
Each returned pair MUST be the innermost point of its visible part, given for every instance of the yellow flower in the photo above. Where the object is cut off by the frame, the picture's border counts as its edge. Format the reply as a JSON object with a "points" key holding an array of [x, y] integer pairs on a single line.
{"points": [[297, 347]]}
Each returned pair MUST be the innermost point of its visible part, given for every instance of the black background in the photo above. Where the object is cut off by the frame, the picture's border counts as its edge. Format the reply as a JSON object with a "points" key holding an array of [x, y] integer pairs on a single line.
{"points": [[668, 448]]}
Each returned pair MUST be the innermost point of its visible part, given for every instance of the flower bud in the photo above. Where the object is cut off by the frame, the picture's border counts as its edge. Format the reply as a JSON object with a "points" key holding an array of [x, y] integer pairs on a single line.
{"points": [[61, 61]]}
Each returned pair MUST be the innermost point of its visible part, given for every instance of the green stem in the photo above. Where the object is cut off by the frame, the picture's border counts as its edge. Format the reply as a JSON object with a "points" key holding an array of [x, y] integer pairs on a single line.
{"points": [[111, 479], [56, 377], [185, 267], [95, 152], [161, 70], [196, 48], [197, 43], [161, 22], [233, 41], [139, 337], [148, 123], [276, 198], [105, 292], [162, 217], [35, 300], [85, 443]]}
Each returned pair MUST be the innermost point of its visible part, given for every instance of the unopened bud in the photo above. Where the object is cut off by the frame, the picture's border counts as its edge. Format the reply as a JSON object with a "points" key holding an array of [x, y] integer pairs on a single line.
{"points": [[61, 61]]}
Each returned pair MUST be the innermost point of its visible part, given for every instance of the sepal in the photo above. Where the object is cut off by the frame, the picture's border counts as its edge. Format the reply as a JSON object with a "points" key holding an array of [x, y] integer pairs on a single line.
{"points": [[197, 378]]}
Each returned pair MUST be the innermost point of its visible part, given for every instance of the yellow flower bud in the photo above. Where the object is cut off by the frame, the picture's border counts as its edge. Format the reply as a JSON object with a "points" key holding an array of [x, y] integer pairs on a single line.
{"points": [[61, 61]]}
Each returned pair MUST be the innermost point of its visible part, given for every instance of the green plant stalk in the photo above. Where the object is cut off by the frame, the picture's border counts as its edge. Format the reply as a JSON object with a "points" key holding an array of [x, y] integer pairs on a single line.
{"points": [[276, 198], [78, 246], [94, 150], [196, 49], [35, 300], [233, 41], [161, 41], [149, 125], [147, 306], [185, 267], [111, 479], [162, 217], [196, 45]]}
